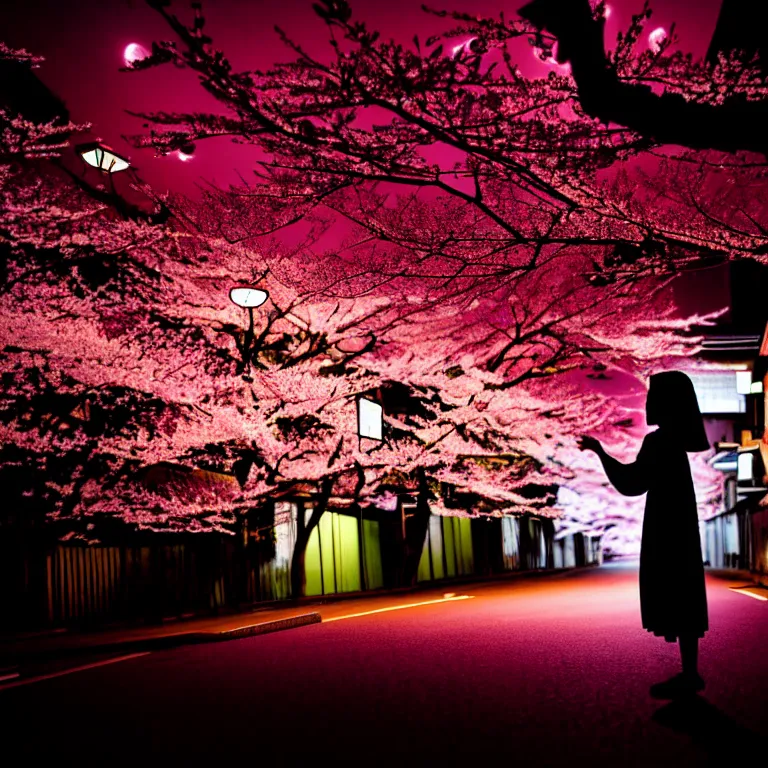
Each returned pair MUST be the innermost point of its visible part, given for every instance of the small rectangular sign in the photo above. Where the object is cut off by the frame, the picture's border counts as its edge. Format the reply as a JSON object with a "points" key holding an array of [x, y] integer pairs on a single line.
{"points": [[369, 419]]}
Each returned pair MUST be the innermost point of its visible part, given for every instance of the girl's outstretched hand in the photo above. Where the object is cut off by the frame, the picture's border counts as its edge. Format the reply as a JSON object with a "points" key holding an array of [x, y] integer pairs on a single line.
{"points": [[587, 443]]}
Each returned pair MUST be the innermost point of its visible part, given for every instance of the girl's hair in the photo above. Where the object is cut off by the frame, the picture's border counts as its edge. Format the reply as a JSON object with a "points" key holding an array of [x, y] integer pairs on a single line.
{"points": [[676, 409]]}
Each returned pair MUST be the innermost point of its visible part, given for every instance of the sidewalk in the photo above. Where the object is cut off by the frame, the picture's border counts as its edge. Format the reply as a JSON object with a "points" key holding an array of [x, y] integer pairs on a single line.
{"points": [[734, 574], [258, 620]]}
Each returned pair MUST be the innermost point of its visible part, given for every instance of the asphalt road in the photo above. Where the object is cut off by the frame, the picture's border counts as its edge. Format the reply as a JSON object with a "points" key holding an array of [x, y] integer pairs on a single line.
{"points": [[531, 672]]}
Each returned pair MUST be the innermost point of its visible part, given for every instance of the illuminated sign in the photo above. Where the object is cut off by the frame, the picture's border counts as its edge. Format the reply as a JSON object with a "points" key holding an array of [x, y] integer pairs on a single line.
{"points": [[744, 471], [370, 417], [717, 391]]}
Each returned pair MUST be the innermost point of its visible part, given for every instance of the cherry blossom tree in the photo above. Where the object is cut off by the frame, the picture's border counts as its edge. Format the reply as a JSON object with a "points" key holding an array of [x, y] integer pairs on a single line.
{"points": [[509, 167], [460, 176], [122, 351]]}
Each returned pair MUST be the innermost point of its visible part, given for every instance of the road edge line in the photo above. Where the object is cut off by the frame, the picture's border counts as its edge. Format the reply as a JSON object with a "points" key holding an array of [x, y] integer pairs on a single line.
{"points": [[71, 671]]}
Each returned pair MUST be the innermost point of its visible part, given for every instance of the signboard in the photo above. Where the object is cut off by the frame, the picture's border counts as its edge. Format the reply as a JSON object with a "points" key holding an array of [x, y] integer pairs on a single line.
{"points": [[717, 392], [369, 419]]}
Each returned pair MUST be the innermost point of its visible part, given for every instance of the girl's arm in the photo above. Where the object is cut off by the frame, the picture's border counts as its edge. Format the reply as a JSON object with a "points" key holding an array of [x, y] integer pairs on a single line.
{"points": [[628, 479]]}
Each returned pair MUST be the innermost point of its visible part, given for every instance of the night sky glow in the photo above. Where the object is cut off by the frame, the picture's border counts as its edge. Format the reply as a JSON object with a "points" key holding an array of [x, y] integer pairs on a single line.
{"points": [[100, 37], [134, 52], [656, 38]]}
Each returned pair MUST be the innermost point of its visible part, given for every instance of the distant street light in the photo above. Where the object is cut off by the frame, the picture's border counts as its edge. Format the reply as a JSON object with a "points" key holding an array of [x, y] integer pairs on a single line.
{"points": [[102, 157]]}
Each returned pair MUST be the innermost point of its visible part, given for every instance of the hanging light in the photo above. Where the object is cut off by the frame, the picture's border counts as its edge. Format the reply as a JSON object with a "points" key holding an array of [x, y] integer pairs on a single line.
{"points": [[102, 157], [248, 297]]}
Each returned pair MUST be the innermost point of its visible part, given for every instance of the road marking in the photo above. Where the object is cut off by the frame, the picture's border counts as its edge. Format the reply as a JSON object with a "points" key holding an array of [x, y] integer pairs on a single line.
{"points": [[399, 607], [39, 678], [742, 591]]}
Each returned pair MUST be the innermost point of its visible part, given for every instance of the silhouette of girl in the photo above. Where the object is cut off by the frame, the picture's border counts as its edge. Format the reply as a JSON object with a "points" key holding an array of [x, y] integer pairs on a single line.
{"points": [[673, 599]]}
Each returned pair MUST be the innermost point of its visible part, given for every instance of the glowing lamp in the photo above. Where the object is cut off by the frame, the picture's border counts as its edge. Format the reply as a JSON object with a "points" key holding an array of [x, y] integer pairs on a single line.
{"points": [[744, 469], [743, 382], [248, 297], [102, 157], [370, 417]]}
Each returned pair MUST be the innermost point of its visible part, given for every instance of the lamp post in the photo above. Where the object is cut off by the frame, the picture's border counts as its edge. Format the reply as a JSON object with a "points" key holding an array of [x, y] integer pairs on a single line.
{"points": [[247, 297], [105, 160]]}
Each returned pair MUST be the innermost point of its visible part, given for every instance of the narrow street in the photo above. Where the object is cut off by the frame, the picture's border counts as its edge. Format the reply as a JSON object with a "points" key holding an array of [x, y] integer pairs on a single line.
{"points": [[538, 671]]}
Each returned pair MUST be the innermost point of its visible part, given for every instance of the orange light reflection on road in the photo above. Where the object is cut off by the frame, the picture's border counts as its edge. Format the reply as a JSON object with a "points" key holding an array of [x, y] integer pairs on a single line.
{"points": [[398, 607], [748, 594]]}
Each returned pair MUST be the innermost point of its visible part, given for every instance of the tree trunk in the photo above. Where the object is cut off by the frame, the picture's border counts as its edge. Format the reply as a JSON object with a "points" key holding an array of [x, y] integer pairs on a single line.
{"points": [[415, 533], [304, 530], [665, 118], [298, 575]]}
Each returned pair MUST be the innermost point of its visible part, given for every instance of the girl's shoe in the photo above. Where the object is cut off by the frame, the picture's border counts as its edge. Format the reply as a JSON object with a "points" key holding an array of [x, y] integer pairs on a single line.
{"points": [[696, 682]]}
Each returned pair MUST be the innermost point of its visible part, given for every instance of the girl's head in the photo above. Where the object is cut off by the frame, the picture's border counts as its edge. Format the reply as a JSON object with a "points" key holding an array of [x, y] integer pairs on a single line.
{"points": [[673, 406]]}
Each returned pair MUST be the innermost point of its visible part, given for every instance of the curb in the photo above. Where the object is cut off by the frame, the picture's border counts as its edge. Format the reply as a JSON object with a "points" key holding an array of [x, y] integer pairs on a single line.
{"points": [[174, 641], [267, 626]]}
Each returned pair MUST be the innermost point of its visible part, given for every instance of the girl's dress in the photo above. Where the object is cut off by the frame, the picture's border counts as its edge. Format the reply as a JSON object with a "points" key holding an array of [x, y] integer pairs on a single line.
{"points": [[673, 597]]}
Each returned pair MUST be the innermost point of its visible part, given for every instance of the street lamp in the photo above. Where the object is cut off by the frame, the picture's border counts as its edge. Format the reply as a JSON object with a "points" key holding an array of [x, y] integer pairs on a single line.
{"points": [[248, 297], [108, 162], [100, 156]]}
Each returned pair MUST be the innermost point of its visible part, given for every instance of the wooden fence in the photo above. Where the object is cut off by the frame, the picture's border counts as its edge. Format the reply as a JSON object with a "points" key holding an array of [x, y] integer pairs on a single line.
{"points": [[169, 576]]}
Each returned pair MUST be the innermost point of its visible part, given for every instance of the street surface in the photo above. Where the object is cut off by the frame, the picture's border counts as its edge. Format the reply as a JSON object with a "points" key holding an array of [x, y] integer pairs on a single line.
{"points": [[532, 672]]}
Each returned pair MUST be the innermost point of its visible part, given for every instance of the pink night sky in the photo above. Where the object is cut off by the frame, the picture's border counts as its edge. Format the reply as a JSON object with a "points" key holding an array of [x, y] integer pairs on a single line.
{"points": [[84, 45]]}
